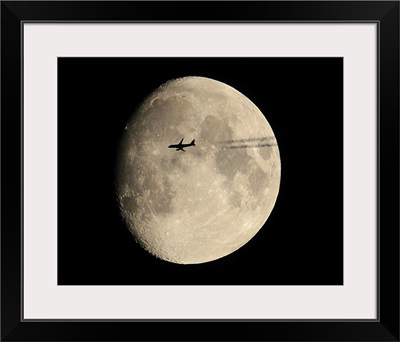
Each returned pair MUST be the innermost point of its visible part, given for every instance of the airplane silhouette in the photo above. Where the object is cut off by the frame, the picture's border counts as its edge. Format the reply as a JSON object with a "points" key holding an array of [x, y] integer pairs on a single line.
{"points": [[180, 146]]}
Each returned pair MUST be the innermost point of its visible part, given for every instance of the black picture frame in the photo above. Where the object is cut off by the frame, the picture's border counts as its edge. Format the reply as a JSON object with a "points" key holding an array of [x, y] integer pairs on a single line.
{"points": [[385, 328]]}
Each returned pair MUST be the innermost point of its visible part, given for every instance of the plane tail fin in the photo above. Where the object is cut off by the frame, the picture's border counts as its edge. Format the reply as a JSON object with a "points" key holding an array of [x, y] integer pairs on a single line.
{"points": [[192, 143]]}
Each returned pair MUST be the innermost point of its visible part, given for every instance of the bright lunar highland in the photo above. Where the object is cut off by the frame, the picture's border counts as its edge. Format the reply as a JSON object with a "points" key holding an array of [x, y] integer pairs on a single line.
{"points": [[203, 204]]}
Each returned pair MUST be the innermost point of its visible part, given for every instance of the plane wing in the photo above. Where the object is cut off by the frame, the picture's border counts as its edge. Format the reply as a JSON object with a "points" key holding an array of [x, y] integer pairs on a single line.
{"points": [[181, 141]]}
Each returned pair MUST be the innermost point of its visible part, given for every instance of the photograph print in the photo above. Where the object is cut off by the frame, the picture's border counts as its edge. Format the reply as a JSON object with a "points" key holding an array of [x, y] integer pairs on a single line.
{"points": [[200, 171]]}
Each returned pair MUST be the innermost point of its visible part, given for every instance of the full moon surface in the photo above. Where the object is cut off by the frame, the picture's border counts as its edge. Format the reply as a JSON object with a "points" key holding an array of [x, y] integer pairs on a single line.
{"points": [[201, 204]]}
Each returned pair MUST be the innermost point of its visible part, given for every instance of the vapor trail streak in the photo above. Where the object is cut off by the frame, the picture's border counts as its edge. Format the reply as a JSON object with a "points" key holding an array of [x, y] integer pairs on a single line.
{"points": [[247, 140], [250, 146]]}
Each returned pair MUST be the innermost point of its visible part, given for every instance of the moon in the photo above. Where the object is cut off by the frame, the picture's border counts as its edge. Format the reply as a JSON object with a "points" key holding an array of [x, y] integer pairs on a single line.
{"points": [[203, 204]]}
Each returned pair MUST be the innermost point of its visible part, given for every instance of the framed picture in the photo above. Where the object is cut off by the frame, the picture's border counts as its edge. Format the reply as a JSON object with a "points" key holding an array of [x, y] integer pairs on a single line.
{"points": [[200, 171]]}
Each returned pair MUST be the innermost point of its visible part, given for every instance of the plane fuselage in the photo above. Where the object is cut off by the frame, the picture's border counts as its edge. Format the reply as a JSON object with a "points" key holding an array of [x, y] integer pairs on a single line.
{"points": [[180, 146]]}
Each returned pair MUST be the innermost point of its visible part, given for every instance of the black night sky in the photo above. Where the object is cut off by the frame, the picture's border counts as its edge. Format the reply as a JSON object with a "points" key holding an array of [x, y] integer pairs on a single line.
{"points": [[302, 99]]}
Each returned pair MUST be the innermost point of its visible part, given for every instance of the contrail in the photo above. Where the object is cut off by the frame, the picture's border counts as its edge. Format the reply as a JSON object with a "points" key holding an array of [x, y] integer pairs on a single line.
{"points": [[250, 146], [249, 143], [248, 140]]}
